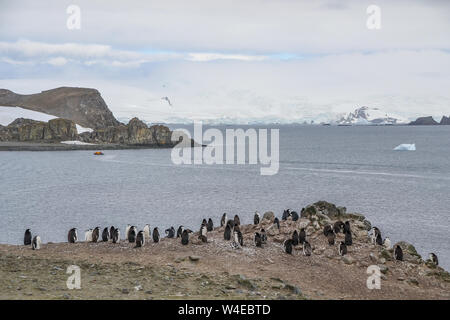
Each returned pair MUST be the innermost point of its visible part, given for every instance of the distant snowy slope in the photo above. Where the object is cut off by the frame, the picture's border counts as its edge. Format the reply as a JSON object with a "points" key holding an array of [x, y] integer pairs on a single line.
{"points": [[366, 115], [9, 114]]}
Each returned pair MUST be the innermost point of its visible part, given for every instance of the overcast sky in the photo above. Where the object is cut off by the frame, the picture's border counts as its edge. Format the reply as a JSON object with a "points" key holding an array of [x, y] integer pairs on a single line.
{"points": [[255, 59]]}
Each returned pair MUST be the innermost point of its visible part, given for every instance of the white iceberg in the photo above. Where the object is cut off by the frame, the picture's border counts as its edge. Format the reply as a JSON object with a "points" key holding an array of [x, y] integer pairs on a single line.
{"points": [[78, 143], [406, 147]]}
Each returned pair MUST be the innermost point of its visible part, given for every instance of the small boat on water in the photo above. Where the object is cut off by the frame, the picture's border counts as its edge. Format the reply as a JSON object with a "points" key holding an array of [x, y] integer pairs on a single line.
{"points": [[98, 153]]}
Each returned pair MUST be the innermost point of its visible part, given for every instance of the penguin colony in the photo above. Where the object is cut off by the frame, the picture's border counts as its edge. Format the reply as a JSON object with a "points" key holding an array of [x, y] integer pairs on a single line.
{"points": [[231, 233]]}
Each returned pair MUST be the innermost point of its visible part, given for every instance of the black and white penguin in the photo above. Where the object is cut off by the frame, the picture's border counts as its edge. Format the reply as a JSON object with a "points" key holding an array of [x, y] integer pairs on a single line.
{"points": [[342, 249], [203, 233], [72, 236], [105, 235], [294, 216], [302, 236], [347, 227], [327, 229], [147, 232], [288, 246], [88, 235], [210, 226], [379, 240], [170, 233], [256, 218], [224, 220], [156, 235], [348, 238], [277, 223], [398, 253], [180, 231], [111, 232], [140, 239], [204, 222], [127, 230], [116, 235], [307, 250], [235, 243], [263, 236], [95, 234], [237, 221], [227, 233], [230, 223], [258, 241], [295, 239], [331, 236], [132, 234], [338, 227], [184, 237], [374, 234], [434, 259], [36, 243], [240, 238], [387, 243], [27, 237], [286, 214]]}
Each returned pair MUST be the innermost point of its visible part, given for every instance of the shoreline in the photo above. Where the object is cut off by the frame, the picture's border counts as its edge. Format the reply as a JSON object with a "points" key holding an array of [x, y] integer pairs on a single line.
{"points": [[214, 270]]}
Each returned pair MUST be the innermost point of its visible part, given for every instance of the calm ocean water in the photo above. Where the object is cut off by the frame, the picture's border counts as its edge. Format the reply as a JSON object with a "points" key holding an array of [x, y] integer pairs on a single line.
{"points": [[405, 194]]}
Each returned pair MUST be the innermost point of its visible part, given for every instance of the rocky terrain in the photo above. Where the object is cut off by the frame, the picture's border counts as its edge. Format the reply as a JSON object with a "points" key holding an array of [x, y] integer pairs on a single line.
{"points": [[215, 270], [26, 130], [429, 121]]}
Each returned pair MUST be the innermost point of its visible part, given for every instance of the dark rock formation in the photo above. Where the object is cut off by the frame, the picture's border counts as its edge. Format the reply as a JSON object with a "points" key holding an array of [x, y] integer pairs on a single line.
{"points": [[424, 121], [84, 106], [37, 131], [445, 120]]}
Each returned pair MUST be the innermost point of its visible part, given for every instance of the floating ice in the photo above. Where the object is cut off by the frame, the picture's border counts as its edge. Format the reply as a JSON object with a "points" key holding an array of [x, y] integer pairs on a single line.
{"points": [[79, 143], [406, 147]]}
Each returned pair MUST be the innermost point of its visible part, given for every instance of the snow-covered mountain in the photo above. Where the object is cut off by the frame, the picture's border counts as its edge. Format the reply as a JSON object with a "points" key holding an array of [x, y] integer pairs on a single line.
{"points": [[370, 116]]}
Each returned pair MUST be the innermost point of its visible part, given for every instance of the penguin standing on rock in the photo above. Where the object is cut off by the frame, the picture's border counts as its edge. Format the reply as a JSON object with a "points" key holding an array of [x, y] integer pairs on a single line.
{"points": [[398, 253], [227, 233], [155, 235], [347, 227], [180, 231], [111, 232], [88, 235], [326, 230], [95, 234], [105, 235], [302, 236], [210, 226], [36, 243], [375, 233], [387, 243], [170, 233], [185, 237], [258, 242], [203, 233], [294, 216], [434, 259], [348, 238], [132, 234], [288, 246], [307, 250], [223, 220], [263, 235], [338, 227], [331, 237], [116, 235], [27, 237], [295, 238], [379, 240], [140, 239], [286, 214], [237, 221], [277, 223], [147, 231], [256, 218], [72, 236], [342, 249], [127, 230]]}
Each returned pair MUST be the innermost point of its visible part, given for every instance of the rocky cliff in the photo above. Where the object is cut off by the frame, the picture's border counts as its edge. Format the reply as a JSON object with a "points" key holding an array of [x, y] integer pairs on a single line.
{"points": [[445, 120], [84, 106], [39, 131], [424, 121]]}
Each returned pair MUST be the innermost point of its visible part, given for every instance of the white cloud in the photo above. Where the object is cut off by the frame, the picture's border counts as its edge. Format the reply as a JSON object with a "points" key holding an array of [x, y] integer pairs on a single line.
{"points": [[58, 61]]}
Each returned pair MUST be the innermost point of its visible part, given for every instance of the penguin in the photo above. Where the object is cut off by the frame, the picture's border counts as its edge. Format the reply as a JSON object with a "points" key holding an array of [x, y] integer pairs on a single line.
{"points": [[295, 238], [116, 235], [88, 235], [27, 237], [230, 223], [387, 244], [111, 232], [331, 237], [294, 216], [348, 238], [236, 244], [210, 225], [258, 241], [256, 218], [36, 243], [170, 233], [374, 235], [327, 229], [95, 234], [202, 235], [127, 229], [302, 236], [180, 231], [379, 240], [398, 253], [105, 235], [72, 236], [156, 235], [140, 239], [347, 227], [263, 236], [307, 250], [277, 223], [227, 233], [342, 249], [286, 215], [147, 231], [338, 227], [223, 220], [204, 223], [132, 234], [184, 237], [237, 221], [288, 246], [434, 259]]}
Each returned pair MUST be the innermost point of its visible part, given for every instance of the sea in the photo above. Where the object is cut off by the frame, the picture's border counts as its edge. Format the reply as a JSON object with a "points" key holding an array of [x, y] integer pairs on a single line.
{"points": [[406, 194]]}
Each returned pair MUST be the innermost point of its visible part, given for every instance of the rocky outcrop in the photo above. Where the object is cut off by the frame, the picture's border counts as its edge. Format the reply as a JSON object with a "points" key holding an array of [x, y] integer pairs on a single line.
{"points": [[84, 106], [135, 133], [424, 121], [37, 131], [445, 121]]}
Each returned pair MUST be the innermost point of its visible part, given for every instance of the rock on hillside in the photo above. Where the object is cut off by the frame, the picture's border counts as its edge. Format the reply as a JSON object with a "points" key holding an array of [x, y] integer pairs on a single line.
{"points": [[82, 105], [39, 131]]}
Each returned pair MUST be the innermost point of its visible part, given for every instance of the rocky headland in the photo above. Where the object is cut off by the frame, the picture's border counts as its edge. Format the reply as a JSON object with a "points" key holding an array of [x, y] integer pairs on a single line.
{"points": [[429, 121]]}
